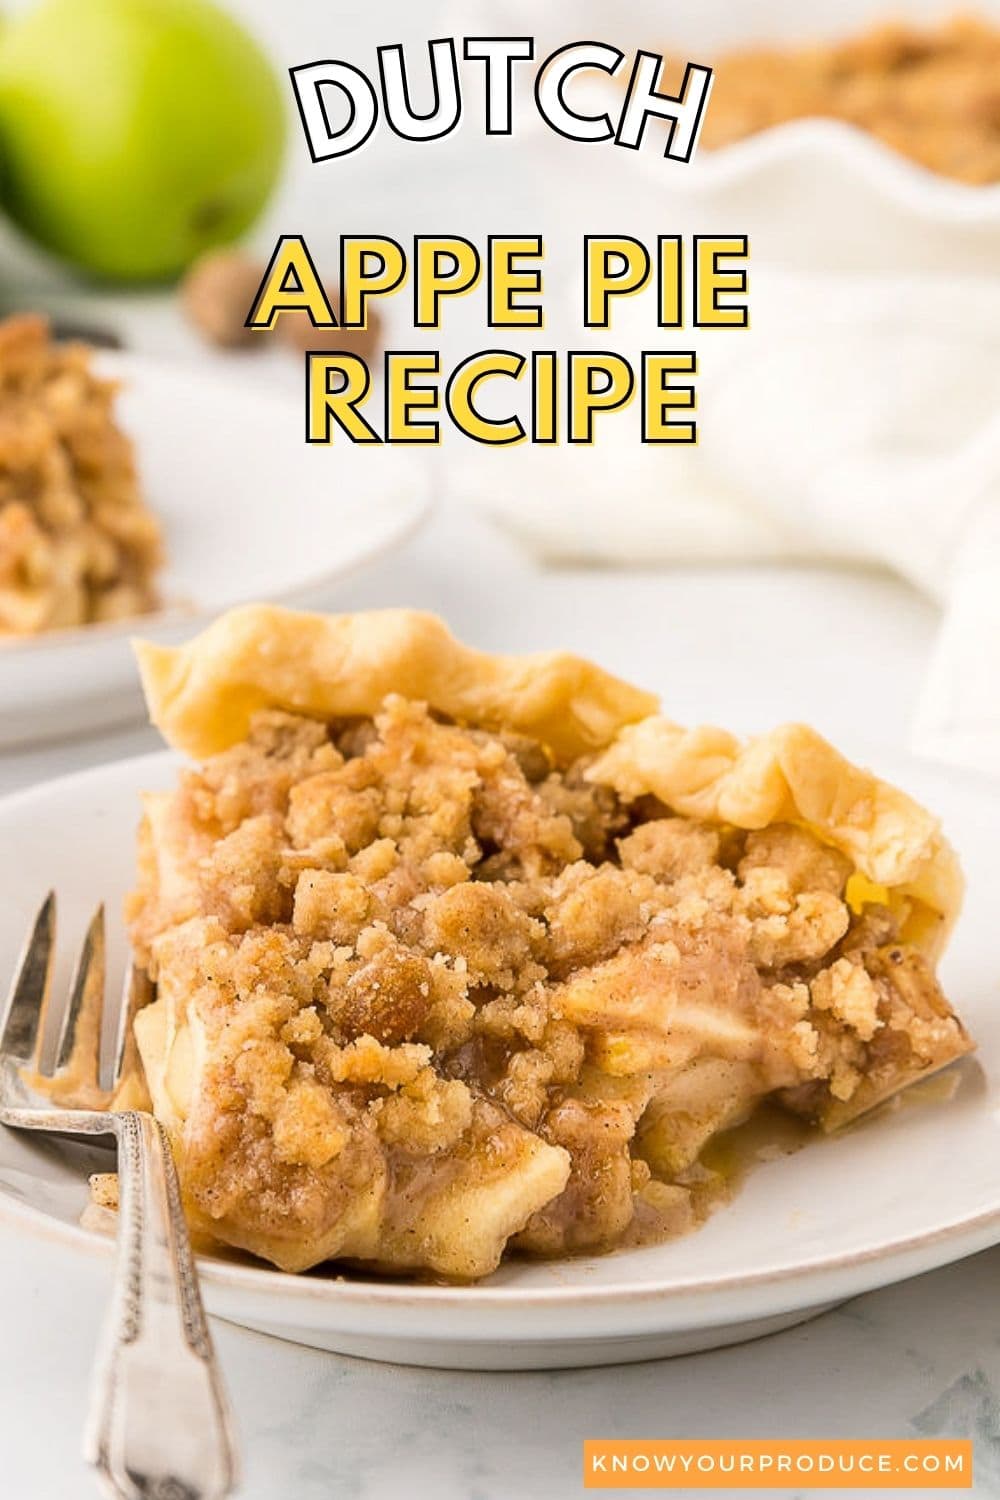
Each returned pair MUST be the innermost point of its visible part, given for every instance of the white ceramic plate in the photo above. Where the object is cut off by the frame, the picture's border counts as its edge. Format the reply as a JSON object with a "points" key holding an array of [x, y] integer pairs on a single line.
{"points": [[902, 1193], [249, 512]]}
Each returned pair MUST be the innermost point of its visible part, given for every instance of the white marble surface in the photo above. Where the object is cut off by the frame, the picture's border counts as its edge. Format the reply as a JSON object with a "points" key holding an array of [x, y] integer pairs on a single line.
{"points": [[920, 1359], [743, 646]]}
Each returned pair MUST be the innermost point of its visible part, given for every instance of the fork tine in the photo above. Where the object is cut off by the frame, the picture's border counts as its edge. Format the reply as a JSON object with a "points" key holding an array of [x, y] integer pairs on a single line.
{"points": [[30, 985], [79, 1047], [138, 992]]}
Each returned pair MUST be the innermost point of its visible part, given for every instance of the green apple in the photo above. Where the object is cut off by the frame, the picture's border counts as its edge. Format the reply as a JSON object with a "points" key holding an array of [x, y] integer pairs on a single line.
{"points": [[134, 134]]}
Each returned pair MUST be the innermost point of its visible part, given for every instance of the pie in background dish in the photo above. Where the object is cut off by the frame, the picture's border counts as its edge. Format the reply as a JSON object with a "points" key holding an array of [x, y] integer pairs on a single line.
{"points": [[929, 93], [77, 544], [460, 954]]}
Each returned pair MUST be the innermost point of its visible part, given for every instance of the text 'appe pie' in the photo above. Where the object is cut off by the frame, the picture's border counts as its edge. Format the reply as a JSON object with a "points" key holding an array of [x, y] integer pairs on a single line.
{"points": [[458, 954]]}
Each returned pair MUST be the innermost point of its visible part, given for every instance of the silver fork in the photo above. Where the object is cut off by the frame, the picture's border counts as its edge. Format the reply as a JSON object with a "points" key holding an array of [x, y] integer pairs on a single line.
{"points": [[159, 1425]]}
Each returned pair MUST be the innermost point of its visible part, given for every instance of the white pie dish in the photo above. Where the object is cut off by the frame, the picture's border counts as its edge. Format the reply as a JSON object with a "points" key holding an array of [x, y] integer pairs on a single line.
{"points": [[898, 1195], [813, 194], [249, 512]]}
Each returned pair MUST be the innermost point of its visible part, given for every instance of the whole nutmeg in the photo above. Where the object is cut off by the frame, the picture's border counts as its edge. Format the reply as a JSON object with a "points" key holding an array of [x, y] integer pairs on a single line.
{"points": [[217, 294], [296, 330]]}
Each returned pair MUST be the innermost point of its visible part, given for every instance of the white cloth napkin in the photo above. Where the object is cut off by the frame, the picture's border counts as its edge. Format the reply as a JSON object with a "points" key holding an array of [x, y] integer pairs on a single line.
{"points": [[857, 419]]}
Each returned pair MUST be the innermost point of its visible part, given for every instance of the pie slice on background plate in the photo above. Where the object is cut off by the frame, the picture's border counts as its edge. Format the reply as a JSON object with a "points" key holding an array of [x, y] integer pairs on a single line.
{"points": [[460, 954], [78, 545]]}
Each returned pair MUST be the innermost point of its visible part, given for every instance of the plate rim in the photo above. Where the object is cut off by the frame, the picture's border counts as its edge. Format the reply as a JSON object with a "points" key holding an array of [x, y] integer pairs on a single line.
{"points": [[908, 184], [337, 1290]]}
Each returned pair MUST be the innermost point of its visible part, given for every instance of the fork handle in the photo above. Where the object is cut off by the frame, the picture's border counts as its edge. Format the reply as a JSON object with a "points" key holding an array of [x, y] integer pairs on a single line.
{"points": [[159, 1423]]}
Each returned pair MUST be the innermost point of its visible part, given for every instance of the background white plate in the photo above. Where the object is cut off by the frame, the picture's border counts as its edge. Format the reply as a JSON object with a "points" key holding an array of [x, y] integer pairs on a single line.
{"points": [[249, 512], [900, 1194]]}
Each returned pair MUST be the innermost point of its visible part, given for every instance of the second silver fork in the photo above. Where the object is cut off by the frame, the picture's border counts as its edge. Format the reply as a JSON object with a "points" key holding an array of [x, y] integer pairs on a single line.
{"points": [[159, 1424]]}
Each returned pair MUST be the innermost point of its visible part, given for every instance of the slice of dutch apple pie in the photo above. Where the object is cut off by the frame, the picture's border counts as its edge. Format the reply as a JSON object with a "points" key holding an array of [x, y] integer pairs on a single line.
{"points": [[459, 954]]}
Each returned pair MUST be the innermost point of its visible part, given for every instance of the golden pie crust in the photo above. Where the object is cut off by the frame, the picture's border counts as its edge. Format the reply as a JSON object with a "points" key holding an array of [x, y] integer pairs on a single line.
{"points": [[458, 954], [203, 695]]}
